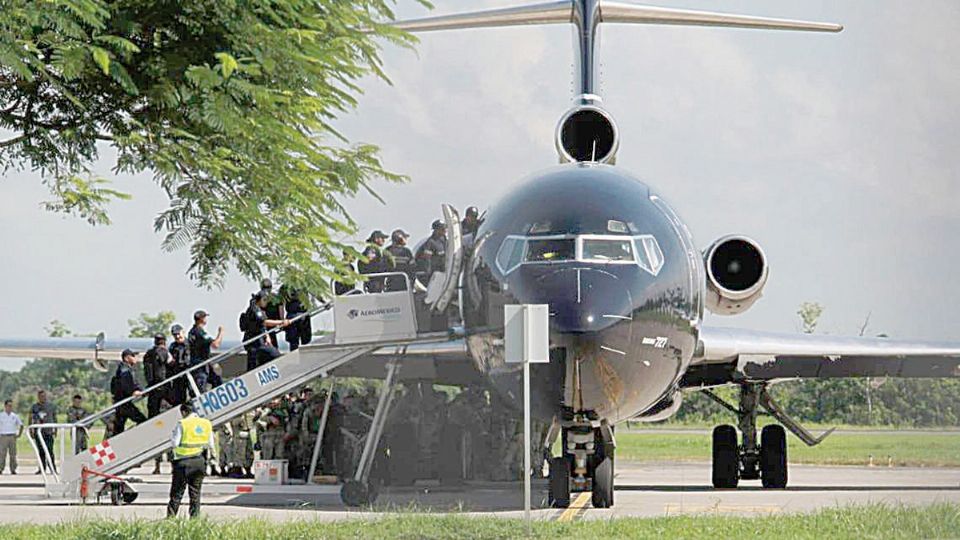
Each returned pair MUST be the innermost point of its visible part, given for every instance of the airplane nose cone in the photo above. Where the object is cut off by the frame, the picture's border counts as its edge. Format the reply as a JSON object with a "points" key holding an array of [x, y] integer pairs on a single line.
{"points": [[583, 299]]}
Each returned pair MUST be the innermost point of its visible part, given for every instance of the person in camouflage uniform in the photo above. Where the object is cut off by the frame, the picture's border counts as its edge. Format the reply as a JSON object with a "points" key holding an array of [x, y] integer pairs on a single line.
{"points": [[224, 447], [236, 448], [271, 428], [75, 413], [309, 428], [296, 405]]}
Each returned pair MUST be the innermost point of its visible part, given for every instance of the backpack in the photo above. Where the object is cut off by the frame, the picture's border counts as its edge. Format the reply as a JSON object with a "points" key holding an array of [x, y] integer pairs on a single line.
{"points": [[245, 321]]}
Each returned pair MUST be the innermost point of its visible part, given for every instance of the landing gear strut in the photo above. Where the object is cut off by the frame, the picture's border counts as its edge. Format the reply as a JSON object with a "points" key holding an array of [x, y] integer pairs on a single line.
{"points": [[764, 458], [585, 463]]}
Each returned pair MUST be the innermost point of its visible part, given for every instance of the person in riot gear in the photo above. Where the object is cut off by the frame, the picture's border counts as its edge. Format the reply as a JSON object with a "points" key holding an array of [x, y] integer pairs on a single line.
{"points": [[200, 343], [431, 257], [274, 308], [299, 332], [342, 286], [124, 385], [253, 323], [155, 362], [375, 261], [179, 358], [471, 221], [402, 261]]}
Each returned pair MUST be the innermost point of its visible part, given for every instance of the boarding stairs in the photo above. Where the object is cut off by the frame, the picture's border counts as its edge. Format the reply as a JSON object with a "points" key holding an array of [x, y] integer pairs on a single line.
{"points": [[363, 323]]}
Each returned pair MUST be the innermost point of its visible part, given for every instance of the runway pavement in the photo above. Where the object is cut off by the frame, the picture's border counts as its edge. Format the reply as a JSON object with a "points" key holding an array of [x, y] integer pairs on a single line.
{"points": [[643, 490]]}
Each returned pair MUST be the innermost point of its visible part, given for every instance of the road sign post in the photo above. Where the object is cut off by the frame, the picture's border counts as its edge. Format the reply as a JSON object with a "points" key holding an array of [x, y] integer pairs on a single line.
{"points": [[526, 339]]}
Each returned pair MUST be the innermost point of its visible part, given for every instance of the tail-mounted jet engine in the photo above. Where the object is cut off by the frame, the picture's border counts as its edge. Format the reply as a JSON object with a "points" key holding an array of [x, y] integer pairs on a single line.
{"points": [[587, 133], [736, 273]]}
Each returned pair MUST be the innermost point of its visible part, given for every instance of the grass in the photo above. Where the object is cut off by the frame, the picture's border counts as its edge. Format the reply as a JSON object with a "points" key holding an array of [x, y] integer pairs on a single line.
{"points": [[874, 521], [904, 449]]}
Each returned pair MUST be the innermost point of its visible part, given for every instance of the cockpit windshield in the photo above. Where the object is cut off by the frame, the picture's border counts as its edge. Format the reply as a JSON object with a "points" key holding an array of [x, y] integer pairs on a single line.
{"points": [[551, 249], [642, 250], [608, 249]]}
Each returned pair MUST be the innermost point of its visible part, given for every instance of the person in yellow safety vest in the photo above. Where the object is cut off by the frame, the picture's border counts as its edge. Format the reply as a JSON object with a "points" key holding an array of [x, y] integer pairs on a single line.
{"points": [[191, 439]]}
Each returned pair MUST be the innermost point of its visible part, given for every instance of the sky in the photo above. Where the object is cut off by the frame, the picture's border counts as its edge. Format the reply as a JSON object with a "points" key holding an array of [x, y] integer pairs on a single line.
{"points": [[838, 153]]}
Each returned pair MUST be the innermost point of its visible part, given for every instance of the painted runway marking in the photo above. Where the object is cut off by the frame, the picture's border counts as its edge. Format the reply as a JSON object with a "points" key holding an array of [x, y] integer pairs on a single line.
{"points": [[578, 506]]}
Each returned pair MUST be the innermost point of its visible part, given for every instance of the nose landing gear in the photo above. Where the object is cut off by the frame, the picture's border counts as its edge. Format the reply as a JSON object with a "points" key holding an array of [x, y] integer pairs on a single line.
{"points": [[586, 463]]}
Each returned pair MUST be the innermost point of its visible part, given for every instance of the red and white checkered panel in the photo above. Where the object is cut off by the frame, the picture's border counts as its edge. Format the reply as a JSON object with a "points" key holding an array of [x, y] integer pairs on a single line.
{"points": [[103, 453]]}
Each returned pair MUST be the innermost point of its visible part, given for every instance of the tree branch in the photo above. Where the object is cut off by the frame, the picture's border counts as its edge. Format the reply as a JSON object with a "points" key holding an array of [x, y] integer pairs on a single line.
{"points": [[13, 141]]}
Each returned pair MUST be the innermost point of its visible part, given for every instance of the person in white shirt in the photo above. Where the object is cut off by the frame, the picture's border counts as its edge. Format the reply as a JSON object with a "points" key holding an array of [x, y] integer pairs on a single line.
{"points": [[11, 427]]}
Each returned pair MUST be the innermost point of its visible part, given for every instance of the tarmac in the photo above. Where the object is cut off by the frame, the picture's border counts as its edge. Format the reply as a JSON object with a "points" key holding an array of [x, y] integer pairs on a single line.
{"points": [[642, 490]]}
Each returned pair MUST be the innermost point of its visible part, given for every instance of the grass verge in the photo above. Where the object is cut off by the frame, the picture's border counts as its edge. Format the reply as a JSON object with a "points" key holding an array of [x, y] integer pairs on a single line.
{"points": [[875, 521]]}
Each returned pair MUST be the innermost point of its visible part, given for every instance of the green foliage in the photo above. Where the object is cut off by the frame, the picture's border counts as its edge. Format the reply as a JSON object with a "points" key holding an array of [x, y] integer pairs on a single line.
{"points": [[809, 314], [229, 103], [147, 326], [870, 521]]}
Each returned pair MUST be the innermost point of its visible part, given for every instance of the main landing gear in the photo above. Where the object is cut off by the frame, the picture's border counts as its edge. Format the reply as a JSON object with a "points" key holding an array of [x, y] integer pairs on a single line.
{"points": [[585, 463], [764, 459]]}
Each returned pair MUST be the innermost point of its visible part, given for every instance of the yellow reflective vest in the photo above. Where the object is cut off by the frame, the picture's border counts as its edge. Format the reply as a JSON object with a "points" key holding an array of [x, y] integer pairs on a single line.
{"points": [[194, 437]]}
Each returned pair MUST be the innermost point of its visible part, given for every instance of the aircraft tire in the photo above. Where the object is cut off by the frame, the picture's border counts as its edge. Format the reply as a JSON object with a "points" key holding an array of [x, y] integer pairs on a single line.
{"points": [[726, 458], [559, 482], [602, 496], [773, 457]]}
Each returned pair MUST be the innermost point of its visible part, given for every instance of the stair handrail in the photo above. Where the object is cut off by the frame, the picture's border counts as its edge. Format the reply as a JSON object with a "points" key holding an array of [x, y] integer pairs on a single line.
{"points": [[212, 360]]}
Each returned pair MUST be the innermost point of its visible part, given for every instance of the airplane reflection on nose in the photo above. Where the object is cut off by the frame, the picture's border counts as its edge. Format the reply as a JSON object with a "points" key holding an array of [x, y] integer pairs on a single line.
{"points": [[583, 299]]}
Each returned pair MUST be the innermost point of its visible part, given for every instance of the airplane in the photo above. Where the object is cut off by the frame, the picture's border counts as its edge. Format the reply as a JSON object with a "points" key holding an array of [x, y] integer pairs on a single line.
{"points": [[627, 289]]}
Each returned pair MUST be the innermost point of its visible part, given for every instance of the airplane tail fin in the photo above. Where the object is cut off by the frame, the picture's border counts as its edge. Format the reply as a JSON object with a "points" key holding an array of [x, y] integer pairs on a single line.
{"points": [[587, 132], [587, 15]]}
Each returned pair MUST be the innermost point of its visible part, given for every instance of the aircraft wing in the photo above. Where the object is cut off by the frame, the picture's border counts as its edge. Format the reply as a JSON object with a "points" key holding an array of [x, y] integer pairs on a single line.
{"points": [[730, 355], [74, 348]]}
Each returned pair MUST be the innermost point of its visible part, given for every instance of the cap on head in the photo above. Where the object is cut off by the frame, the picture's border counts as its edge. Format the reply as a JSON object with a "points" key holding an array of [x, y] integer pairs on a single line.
{"points": [[438, 224], [260, 295], [398, 235], [176, 329], [200, 314], [186, 407], [128, 352], [265, 283], [376, 235], [473, 211], [159, 338]]}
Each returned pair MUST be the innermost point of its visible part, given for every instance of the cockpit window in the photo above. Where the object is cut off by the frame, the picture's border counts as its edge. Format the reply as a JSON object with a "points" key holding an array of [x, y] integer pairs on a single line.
{"points": [[607, 250], [642, 250], [551, 249], [649, 254], [511, 253]]}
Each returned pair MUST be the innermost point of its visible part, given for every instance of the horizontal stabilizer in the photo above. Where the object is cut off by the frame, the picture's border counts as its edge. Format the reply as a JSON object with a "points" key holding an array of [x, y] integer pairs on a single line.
{"points": [[548, 13], [620, 12], [566, 11]]}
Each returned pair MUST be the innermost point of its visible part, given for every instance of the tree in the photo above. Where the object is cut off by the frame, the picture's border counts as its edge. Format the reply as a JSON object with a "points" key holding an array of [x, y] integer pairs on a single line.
{"points": [[809, 314], [147, 326], [228, 103]]}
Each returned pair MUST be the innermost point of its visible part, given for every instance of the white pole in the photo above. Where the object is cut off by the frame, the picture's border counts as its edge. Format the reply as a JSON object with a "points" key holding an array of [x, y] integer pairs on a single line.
{"points": [[526, 444], [526, 421]]}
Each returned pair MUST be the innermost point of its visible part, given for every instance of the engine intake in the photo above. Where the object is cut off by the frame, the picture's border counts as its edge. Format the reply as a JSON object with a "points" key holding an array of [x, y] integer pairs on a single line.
{"points": [[587, 134], [736, 274]]}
